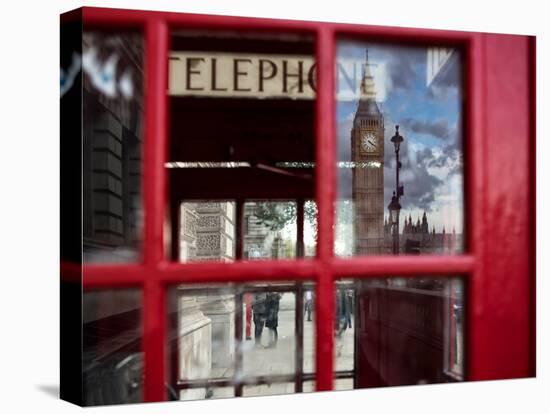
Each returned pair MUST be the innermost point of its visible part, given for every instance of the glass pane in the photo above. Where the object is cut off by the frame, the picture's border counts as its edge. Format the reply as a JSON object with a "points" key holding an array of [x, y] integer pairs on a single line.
{"points": [[339, 385], [268, 389], [112, 362], [207, 231], [250, 337], [400, 162], [344, 327], [310, 229], [112, 64], [309, 329], [269, 230], [206, 393], [272, 351], [403, 331], [241, 129]]}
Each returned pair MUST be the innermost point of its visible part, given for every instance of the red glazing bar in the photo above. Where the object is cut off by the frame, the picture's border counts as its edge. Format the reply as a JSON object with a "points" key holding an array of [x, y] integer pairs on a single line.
{"points": [[154, 335], [402, 35], [154, 177], [113, 276], [388, 266], [475, 188], [154, 340], [325, 145], [117, 18], [243, 271], [324, 325], [133, 18]]}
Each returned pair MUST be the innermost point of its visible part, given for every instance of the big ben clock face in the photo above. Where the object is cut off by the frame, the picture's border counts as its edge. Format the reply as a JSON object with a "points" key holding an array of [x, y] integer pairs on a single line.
{"points": [[369, 142]]}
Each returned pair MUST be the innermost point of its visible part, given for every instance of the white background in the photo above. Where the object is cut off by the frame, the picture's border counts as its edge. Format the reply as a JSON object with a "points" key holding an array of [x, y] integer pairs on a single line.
{"points": [[29, 207]]}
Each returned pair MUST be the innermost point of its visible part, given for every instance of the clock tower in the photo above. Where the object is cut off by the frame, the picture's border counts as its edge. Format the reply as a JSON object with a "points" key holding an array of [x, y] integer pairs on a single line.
{"points": [[367, 155]]}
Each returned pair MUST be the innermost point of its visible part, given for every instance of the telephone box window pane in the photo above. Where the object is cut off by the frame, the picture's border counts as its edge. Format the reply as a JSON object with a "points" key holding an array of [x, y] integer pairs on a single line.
{"points": [[242, 110], [112, 357], [399, 101], [207, 230], [112, 65], [310, 229], [404, 331], [339, 385], [209, 393], [247, 336], [309, 329], [344, 327], [268, 389], [270, 230]]}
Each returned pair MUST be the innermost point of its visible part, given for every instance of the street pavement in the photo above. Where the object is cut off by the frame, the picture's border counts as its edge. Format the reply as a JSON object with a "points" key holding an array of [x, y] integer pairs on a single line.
{"points": [[278, 360]]}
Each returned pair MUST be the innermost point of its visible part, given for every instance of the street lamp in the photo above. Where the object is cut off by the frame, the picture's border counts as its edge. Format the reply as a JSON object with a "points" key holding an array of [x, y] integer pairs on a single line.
{"points": [[394, 205]]}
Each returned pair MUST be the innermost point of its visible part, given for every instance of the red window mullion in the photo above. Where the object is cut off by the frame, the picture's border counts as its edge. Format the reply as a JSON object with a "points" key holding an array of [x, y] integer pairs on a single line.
{"points": [[475, 186], [114, 276], [154, 340], [325, 183], [154, 182], [239, 272], [154, 176], [410, 266]]}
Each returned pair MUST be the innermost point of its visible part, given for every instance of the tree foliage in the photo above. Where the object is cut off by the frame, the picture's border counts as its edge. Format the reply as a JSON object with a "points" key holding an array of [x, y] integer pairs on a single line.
{"points": [[276, 215]]}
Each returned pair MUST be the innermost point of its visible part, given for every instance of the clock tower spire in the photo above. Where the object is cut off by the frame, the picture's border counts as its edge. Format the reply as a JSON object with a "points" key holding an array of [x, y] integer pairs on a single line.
{"points": [[367, 154]]}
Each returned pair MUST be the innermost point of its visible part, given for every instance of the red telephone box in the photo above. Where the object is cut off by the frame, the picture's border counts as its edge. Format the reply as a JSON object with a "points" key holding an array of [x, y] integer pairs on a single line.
{"points": [[409, 315]]}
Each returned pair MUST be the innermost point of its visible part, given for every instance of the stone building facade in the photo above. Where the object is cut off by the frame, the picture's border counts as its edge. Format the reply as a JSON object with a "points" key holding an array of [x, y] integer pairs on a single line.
{"points": [[206, 321], [112, 146]]}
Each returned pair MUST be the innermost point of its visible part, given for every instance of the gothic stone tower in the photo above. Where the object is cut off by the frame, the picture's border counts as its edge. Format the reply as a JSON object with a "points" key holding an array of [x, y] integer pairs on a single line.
{"points": [[367, 152]]}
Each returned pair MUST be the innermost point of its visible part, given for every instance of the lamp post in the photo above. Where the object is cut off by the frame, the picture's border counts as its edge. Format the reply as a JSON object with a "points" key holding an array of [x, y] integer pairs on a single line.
{"points": [[394, 207]]}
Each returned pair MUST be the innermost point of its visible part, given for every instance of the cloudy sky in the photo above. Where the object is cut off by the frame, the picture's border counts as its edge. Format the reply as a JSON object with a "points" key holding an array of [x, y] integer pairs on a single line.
{"points": [[429, 118]]}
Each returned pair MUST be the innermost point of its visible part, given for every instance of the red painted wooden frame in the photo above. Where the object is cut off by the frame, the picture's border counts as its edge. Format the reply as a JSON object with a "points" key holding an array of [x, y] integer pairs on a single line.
{"points": [[499, 152]]}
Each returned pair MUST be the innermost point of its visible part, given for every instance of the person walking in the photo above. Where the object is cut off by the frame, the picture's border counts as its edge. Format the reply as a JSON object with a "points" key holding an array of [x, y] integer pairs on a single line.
{"points": [[259, 310], [340, 323], [272, 317], [308, 304], [349, 307]]}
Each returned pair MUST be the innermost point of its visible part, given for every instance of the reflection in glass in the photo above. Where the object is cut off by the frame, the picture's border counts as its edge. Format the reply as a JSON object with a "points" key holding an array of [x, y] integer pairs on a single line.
{"points": [[112, 362], [344, 328], [241, 129], [249, 337], [112, 65], [207, 231], [403, 331], [209, 393], [339, 385], [400, 185], [270, 230], [268, 389]]}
